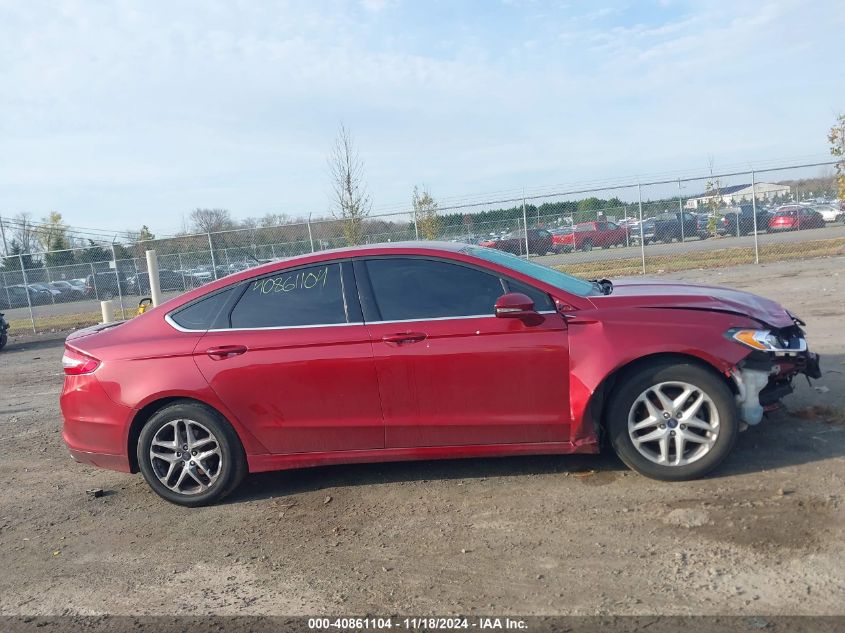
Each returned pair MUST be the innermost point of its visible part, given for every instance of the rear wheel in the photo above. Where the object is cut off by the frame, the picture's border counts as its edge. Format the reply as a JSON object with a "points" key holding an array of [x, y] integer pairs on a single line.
{"points": [[587, 245], [190, 455], [4, 338], [672, 421]]}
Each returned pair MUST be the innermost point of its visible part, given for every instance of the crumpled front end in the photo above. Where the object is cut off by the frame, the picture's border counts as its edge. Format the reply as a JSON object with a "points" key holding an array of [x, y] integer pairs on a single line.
{"points": [[765, 376]]}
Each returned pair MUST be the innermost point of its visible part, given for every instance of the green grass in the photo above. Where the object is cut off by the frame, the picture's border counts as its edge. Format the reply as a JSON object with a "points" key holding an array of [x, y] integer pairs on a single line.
{"points": [[717, 258]]}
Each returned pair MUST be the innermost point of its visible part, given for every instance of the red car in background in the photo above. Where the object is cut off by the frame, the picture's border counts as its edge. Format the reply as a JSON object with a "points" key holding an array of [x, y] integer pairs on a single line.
{"points": [[587, 235], [422, 350], [795, 218]]}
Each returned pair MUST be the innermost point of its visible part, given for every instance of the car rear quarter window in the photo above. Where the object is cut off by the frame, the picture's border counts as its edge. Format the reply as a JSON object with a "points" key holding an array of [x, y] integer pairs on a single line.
{"points": [[298, 297], [201, 314], [411, 289]]}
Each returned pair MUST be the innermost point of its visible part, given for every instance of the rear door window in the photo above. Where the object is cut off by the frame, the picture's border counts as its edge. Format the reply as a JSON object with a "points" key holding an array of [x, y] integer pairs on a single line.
{"points": [[300, 297]]}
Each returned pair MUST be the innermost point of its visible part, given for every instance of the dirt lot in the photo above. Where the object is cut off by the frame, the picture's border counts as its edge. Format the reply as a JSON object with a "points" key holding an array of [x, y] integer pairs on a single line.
{"points": [[551, 535]]}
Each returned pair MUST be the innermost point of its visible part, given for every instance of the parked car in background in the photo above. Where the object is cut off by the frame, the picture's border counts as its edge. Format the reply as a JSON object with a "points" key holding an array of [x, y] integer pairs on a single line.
{"points": [[466, 239], [423, 351], [53, 293], [539, 242], [795, 218], [739, 221], [4, 330], [559, 238], [67, 291], [16, 296], [587, 235], [106, 285], [831, 213], [667, 227], [167, 280]]}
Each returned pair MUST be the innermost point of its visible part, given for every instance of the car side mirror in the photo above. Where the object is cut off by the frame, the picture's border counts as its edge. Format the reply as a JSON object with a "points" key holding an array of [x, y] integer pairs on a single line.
{"points": [[515, 305]]}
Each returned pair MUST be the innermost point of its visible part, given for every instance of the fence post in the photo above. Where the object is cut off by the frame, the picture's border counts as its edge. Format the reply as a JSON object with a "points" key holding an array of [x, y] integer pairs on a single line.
{"points": [[117, 280], [211, 250], [26, 292], [310, 237], [754, 214], [182, 271], [681, 211], [642, 239], [416, 227], [6, 287], [94, 278], [525, 226]]}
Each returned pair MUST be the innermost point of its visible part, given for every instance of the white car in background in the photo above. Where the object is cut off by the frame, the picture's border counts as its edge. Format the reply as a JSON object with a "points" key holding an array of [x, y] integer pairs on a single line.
{"points": [[831, 213]]}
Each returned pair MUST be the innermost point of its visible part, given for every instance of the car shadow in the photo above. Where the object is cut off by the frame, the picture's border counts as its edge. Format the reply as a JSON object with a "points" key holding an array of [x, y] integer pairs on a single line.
{"points": [[777, 443], [289, 482]]}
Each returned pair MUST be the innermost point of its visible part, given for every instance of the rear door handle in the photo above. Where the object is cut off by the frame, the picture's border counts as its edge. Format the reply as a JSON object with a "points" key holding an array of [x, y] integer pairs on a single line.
{"points": [[225, 351], [404, 337]]}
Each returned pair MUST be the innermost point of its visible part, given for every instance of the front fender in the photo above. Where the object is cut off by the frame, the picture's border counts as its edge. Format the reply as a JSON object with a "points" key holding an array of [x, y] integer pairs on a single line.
{"points": [[603, 343]]}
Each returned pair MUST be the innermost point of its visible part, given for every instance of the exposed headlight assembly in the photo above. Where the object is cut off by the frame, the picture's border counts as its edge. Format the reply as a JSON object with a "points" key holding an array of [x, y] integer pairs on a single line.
{"points": [[766, 341]]}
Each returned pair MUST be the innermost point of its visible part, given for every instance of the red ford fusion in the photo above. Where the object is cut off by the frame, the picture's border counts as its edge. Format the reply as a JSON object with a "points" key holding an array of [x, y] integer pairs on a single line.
{"points": [[423, 351]]}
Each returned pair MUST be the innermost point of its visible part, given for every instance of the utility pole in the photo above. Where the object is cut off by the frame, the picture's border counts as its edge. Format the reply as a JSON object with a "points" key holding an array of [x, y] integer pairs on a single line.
{"points": [[3, 233]]}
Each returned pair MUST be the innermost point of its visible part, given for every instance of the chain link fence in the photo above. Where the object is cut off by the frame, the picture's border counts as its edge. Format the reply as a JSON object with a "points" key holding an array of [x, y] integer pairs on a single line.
{"points": [[630, 228]]}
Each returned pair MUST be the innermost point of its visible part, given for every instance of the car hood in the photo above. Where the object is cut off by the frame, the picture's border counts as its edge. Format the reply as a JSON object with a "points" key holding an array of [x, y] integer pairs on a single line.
{"points": [[649, 293]]}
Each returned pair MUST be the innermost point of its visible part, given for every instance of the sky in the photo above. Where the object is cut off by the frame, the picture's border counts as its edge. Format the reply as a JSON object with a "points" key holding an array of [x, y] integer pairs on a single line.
{"points": [[122, 113]]}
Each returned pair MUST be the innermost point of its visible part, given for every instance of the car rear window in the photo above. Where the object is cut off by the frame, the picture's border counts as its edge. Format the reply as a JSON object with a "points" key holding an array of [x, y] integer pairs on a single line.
{"points": [[298, 297]]}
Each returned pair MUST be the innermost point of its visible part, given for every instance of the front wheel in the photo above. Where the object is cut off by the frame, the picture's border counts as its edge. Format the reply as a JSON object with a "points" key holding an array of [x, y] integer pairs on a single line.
{"points": [[190, 455], [4, 338], [672, 421], [587, 246]]}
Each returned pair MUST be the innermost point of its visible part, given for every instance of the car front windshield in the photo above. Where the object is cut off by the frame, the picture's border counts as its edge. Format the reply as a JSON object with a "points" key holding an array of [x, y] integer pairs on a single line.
{"points": [[541, 273]]}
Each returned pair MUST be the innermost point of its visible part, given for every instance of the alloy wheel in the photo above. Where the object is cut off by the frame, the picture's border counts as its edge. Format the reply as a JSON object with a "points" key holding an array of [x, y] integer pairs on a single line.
{"points": [[673, 423], [186, 457]]}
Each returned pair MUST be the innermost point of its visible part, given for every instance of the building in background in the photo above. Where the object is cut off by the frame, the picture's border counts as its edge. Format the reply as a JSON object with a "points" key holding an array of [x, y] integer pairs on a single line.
{"points": [[736, 194]]}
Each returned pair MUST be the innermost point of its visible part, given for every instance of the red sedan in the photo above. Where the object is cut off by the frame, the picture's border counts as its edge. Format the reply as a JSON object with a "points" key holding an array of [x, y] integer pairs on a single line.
{"points": [[795, 218], [422, 351]]}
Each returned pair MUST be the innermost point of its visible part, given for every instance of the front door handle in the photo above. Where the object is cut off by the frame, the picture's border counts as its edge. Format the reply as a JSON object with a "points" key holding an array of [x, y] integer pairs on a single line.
{"points": [[404, 337], [225, 351]]}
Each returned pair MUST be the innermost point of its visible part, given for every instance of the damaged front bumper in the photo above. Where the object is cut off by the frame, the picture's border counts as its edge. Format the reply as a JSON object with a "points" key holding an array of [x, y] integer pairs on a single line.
{"points": [[763, 378]]}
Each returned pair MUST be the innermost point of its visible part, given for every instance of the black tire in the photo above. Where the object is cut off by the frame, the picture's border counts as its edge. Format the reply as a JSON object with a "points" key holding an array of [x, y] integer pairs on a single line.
{"points": [[4, 338], [633, 383], [587, 245], [232, 465]]}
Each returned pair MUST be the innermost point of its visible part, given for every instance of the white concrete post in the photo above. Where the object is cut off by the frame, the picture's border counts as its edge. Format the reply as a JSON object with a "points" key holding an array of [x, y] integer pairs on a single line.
{"points": [[152, 273], [107, 308]]}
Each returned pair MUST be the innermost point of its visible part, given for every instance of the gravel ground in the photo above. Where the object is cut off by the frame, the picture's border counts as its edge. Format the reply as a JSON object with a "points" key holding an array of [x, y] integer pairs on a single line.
{"points": [[549, 535]]}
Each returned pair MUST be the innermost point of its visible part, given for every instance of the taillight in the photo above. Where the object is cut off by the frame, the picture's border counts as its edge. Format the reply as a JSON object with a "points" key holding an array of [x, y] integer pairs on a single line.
{"points": [[76, 363]]}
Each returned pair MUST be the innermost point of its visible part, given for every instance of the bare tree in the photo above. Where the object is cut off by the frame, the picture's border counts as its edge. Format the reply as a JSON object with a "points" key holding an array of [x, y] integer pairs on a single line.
{"points": [[425, 214], [349, 195], [210, 220], [24, 233]]}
